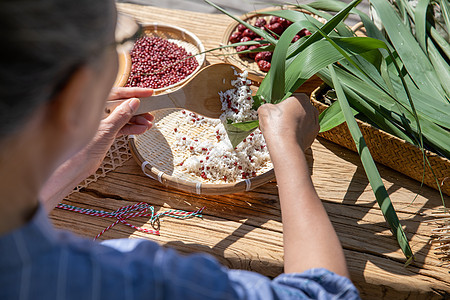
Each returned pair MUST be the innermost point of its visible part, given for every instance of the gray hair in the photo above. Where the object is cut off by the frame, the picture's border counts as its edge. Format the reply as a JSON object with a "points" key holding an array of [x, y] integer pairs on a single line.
{"points": [[42, 44]]}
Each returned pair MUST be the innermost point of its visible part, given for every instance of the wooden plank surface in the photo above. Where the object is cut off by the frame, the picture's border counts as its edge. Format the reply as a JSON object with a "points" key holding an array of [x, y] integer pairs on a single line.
{"points": [[244, 230]]}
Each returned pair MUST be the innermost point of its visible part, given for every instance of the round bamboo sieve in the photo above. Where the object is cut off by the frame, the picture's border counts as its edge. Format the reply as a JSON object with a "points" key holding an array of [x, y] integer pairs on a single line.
{"points": [[177, 35], [153, 151]]}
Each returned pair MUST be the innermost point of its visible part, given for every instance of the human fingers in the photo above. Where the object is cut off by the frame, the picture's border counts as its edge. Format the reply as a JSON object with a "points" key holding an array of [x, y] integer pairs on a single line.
{"points": [[137, 125], [130, 129], [293, 119], [148, 116], [140, 120], [121, 116], [129, 92], [303, 120]]}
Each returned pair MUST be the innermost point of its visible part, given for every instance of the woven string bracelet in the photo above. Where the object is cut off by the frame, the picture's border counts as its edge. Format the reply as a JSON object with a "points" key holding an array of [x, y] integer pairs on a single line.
{"points": [[140, 209]]}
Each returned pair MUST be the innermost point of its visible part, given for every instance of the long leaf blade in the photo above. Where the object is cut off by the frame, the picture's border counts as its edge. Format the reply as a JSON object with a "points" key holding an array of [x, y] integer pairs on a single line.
{"points": [[421, 20], [278, 67], [332, 117], [413, 57], [376, 183]]}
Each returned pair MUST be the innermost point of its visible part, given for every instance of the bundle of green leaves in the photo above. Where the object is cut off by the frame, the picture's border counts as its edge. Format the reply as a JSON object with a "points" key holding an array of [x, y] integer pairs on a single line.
{"points": [[396, 77]]}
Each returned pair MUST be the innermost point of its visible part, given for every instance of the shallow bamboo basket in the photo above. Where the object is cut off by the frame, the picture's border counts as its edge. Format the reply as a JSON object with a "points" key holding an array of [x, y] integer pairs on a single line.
{"points": [[124, 68], [181, 37], [389, 150], [254, 73], [153, 152]]}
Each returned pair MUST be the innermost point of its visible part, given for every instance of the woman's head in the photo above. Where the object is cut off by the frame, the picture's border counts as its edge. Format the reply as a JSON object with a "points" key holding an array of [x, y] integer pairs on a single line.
{"points": [[43, 43]]}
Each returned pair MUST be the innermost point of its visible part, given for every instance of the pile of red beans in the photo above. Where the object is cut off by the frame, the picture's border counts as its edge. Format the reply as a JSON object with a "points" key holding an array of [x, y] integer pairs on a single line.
{"points": [[158, 63], [276, 27]]}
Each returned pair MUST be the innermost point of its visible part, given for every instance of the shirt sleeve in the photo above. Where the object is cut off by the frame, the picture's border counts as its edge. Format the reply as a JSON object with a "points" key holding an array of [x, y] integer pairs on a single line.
{"points": [[200, 276]]}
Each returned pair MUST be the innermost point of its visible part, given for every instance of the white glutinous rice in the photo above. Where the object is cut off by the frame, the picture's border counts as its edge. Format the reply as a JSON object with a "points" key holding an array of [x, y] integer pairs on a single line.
{"points": [[202, 147]]}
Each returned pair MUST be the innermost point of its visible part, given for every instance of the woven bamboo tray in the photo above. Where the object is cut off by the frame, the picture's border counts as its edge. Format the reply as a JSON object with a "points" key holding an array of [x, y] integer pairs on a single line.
{"points": [[124, 69], [389, 150], [254, 73], [181, 37], [153, 152]]}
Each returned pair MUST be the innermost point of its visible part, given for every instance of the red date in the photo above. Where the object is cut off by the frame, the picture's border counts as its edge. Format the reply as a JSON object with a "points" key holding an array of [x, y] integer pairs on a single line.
{"points": [[249, 33], [245, 39], [304, 32], [260, 22], [264, 65], [241, 28], [242, 48], [274, 20], [235, 37], [265, 55], [253, 54]]}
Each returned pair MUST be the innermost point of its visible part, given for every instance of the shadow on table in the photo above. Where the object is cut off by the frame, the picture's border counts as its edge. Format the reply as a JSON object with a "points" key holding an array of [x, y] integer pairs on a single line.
{"points": [[411, 217], [238, 259]]}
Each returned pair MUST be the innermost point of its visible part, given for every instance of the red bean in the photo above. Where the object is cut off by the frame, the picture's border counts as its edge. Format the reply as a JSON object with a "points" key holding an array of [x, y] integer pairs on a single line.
{"points": [[158, 63]]}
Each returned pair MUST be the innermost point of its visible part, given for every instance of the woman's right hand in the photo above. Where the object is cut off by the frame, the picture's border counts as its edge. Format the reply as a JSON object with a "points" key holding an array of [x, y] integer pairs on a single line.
{"points": [[292, 120], [289, 129]]}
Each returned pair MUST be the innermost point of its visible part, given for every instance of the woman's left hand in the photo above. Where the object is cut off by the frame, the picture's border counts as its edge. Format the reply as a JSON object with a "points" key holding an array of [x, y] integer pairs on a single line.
{"points": [[120, 122], [83, 164]]}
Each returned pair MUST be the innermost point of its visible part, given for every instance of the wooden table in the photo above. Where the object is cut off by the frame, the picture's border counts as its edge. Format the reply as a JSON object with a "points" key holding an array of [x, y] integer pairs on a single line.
{"points": [[244, 230]]}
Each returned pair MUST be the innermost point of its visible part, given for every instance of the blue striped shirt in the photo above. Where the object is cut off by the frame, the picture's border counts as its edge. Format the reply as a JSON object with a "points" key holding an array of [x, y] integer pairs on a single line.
{"points": [[39, 262]]}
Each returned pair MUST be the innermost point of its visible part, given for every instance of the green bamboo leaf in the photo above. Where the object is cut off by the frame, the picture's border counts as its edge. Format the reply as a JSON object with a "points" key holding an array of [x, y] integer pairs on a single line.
{"points": [[340, 27], [278, 68], [421, 19], [335, 6], [445, 9], [247, 125], [415, 115], [384, 71], [437, 137], [442, 71], [414, 59], [402, 6], [332, 117], [359, 68], [440, 41], [237, 132], [381, 116], [326, 28], [257, 101], [309, 62], [376, 183], [366, 47], [354, 63]]}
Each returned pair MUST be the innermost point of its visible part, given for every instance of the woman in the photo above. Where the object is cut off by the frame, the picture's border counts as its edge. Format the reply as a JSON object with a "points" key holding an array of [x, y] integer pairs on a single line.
{"points": [[57, 65]]}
